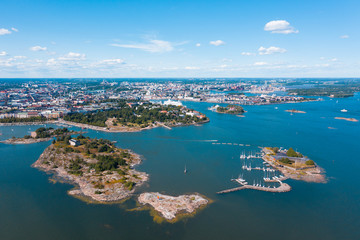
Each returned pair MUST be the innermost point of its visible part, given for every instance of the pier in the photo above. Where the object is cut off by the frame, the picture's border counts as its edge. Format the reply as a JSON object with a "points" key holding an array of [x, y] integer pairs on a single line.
{"points": [[284, 187]]}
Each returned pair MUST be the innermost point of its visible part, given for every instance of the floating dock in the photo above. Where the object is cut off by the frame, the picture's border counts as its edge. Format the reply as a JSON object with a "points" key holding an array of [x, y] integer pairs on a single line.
{"points": [[284, 187]]}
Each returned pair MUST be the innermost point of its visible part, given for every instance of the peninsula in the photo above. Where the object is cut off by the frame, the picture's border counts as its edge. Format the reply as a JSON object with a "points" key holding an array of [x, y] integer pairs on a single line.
{"points": [[171, 207], [135, 116], [293, 164], [229, 109], [40, 135], [100, 171]]}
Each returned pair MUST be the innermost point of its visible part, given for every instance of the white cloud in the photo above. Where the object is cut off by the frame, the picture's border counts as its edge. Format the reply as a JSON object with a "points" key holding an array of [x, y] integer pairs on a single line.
{"points": [[154, 46], [217, 43], [191, 68], [14, 29], [20, 57], [344, 36], [113, 61], [198, 45], [4, 31], [3, 53], [226, 60], [260, 63], [248, 54], [38, 48], [73, 56], [280, 26], [333, 60], [270, 50]]}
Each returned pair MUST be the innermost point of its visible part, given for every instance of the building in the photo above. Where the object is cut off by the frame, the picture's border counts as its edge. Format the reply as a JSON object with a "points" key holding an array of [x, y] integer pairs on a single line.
{"points": [[74, 142]]}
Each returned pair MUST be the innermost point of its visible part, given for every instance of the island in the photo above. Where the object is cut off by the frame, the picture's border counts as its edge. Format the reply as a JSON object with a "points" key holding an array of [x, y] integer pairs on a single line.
{"points": [[347, 119], [229, 109], [100, 171], [171, 208], [40, 135], [294, 111], [135, 116], [293, 164]]}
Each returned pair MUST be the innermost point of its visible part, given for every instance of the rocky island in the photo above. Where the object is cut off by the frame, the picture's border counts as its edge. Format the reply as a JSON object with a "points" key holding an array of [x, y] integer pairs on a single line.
{"points": [[293, 164], [294, 111], [171, 207], [347, 119], [229, 109], [100, 171], [40, 135]]}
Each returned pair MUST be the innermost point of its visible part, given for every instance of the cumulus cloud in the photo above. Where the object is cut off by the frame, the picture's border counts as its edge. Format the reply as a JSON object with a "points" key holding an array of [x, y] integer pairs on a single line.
{"points": [[3, 53], [280, 26], [4, 31], [344, 36], [38, 48], [270, 50], [198, 45], [248, 54], [217, 43], [154, 46], [14, 29]]}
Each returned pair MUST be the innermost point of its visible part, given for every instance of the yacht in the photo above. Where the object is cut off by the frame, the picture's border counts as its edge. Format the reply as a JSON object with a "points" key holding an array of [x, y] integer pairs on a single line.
{"points": [[343, 110]]}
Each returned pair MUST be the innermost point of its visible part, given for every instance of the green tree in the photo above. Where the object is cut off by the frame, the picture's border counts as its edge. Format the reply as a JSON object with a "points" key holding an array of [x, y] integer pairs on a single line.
{"points": [[291, 153]]}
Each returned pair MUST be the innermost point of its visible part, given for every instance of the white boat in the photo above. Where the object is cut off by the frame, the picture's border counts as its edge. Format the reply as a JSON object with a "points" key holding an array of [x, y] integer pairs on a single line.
{"points": [[185, 170], [343, 110]]}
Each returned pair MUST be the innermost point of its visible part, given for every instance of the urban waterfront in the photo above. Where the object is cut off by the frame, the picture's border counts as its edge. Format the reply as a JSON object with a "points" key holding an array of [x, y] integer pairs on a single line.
{"points": [[42, 210]]}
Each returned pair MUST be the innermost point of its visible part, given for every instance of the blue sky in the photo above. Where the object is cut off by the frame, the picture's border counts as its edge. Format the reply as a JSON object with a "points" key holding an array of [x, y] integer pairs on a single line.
{"points": [[243, 38]]}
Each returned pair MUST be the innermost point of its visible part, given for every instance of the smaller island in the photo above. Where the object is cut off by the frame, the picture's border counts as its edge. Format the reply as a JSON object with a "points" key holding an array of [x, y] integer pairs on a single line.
{"points": [[102, 172], [293, 164], [294, 111], [229, 109], [347, 119], [40, 135], [171, 207]]}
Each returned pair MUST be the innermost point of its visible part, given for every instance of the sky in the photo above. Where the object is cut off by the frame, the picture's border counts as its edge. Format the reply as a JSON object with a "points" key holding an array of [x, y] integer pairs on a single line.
{"points": [[183, 38]]}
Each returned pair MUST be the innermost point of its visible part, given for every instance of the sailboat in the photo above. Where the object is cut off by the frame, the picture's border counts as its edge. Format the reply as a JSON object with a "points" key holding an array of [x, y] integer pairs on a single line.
{"points": [[185, 171]]}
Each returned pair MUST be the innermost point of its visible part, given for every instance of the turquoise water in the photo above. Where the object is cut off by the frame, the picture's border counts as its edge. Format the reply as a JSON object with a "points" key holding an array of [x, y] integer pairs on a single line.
{"points": [[31, 207]]}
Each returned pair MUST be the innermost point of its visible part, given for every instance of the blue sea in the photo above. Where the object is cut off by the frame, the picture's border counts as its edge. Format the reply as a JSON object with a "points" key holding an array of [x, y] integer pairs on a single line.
{"points": [[32, 207]]}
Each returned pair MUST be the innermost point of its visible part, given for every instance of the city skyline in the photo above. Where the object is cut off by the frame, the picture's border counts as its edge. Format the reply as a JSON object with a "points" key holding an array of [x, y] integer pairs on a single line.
{"points": [[172, 39]]}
